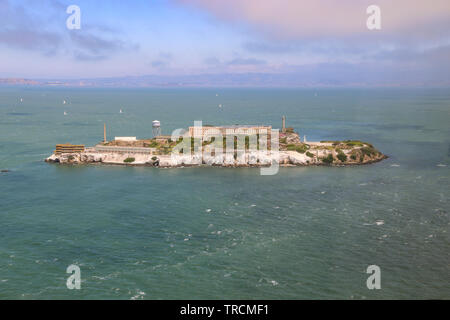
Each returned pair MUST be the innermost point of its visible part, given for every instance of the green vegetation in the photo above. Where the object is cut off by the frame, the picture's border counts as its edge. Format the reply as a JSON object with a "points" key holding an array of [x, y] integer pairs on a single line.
{"points": [[334, 143], [291, 147], [129, 160], [354, 143], [328, 159], [309, 154], [341, 156], [353, 156], [205, 142], [154, 158], [299, 148], [369, 151], [302, 149], [290, 130]]}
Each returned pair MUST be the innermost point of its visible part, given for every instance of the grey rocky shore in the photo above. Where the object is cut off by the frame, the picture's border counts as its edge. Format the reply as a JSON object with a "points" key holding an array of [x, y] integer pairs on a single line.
{"points": [[315, 155]]}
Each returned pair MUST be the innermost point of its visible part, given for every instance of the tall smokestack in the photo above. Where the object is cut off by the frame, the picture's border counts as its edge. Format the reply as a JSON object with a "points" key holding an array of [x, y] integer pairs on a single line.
{"points": [[283, 129]]}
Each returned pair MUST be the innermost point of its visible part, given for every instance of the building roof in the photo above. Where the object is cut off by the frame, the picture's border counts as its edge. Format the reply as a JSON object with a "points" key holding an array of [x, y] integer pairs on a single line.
{"points": [[234, 126]]}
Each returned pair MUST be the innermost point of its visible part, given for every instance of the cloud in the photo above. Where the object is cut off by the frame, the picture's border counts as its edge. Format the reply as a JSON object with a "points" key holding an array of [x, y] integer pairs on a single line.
{"points": [[287, 19], [81, 56], [158, 63], [245, 62], [27, 39], [92, 47], [25, 29], [163, 60], [21, 30]]}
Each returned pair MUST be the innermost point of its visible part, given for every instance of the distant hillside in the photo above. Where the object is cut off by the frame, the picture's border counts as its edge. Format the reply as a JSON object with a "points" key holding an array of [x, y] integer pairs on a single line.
{"points": [[297, 80]]}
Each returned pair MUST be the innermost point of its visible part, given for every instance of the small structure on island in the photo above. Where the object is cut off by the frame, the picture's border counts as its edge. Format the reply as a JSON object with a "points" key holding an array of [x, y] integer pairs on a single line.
{"points": [[163, 139], [69, 148], [156, 128], [128, 139], [283, 124]]}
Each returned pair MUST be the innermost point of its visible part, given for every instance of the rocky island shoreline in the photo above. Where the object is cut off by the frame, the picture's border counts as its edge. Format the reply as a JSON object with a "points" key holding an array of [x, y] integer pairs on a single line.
{"points": [[160, 152]]}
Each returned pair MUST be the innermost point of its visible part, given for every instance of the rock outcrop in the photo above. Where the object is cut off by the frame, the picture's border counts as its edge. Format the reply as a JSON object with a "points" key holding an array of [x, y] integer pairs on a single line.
{"points": [[292, 152]]}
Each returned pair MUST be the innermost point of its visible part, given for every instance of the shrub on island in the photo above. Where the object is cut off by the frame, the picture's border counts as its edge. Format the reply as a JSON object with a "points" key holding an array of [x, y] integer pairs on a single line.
{"points": [[369, 151], [354, 143], [129, 160], [328, 159], [341, 156], [299, 148]]}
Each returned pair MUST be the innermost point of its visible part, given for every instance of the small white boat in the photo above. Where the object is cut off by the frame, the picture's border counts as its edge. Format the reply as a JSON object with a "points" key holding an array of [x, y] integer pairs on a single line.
{"points": [[65, 113], [64, 102], [121, 111]]}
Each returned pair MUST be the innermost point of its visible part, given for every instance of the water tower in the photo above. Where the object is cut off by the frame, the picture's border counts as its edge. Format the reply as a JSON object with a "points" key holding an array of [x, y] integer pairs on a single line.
{"points": [[156, 128]]}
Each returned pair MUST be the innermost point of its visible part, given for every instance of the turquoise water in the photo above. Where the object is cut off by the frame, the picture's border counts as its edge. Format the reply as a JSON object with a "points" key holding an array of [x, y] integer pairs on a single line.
{"points": [[211, 233]]}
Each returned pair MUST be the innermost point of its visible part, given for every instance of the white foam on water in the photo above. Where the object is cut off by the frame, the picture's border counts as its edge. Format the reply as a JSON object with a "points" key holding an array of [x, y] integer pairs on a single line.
{"points": [[139, 295], [379, 222], [395, 165], [441, 165]]}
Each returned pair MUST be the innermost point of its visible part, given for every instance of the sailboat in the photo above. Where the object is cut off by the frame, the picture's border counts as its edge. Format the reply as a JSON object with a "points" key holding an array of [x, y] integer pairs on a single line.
{"points": [[65, 113], [64, 101], [121, 111]]}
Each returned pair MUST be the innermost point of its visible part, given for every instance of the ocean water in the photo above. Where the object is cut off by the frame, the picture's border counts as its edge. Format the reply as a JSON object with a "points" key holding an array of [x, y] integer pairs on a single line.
{"points": [[213, 233]]}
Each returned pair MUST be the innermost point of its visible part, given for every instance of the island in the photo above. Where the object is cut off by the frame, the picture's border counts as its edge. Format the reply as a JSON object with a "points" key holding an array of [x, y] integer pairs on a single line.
{"points": [[224, 146]]}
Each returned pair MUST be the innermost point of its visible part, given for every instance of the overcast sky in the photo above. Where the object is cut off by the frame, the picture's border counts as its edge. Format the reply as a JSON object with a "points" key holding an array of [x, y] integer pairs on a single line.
{"points": [[186, 37]]}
